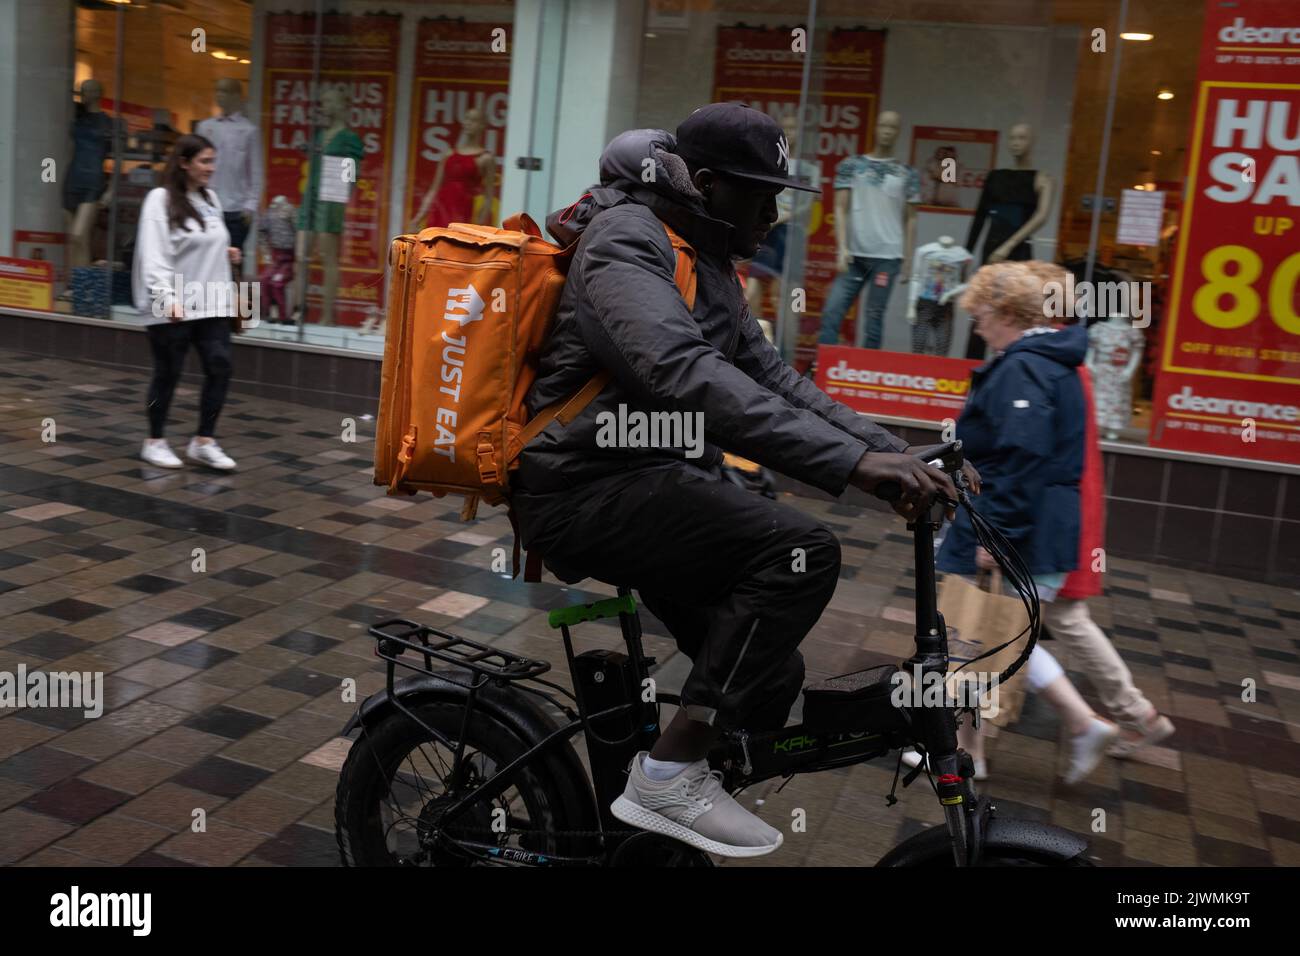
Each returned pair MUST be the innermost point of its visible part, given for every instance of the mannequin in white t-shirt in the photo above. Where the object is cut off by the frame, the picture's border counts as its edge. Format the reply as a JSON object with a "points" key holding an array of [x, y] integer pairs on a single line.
{"points": [[875, 231], [1114, 351], [938, 276]]}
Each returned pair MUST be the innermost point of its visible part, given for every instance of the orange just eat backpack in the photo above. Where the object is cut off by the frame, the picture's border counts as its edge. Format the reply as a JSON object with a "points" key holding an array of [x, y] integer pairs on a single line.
{"points": [[469, 311]]}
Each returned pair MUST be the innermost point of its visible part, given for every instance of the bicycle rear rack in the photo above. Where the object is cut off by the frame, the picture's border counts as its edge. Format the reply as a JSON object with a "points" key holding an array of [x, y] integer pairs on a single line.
{"points": [[394, 637]]}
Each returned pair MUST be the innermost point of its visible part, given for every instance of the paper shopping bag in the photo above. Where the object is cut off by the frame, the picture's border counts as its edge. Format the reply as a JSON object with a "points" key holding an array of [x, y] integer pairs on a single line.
{"points": [[978, 620]]}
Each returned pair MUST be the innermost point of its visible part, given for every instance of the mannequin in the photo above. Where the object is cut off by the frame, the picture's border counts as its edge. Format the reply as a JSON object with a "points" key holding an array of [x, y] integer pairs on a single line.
{"points": [[768, 263], [1114, 351], [320, 220], [84, 192], [238, 176], [466, 174], [875, 230], [938, 276], [1014, 202]]}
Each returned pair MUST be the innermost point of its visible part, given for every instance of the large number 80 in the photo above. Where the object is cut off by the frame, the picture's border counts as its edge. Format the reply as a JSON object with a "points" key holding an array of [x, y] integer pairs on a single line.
{"points": [[1240, 286]]}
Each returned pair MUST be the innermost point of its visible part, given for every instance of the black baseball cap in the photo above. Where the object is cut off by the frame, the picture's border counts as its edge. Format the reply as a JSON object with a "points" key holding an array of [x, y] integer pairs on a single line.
{"points": [[740, 141]]}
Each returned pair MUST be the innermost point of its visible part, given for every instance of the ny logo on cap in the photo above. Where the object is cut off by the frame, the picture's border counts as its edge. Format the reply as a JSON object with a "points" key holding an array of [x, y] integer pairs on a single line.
{"points": [[783, 153]]}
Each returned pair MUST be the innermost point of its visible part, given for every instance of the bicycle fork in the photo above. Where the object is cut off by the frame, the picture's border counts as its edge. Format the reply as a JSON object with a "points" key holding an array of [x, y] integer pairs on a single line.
{"points": [[938, 725]]}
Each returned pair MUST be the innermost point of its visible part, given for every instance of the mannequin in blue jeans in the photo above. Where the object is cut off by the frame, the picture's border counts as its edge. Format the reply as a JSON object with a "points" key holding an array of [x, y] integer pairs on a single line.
{"points": [[878, 276], [875, 229]]}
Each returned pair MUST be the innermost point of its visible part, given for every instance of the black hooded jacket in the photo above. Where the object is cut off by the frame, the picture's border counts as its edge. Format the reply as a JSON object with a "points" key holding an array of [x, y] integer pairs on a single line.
{"points": [[621, 311]]}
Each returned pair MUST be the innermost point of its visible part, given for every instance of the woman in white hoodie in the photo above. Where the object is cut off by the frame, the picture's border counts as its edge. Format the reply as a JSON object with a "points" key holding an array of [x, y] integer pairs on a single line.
{"points": [[182, 279]]}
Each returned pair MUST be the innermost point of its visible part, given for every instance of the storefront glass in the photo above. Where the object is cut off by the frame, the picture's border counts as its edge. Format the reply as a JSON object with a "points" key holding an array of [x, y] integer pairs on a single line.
{"points": [[943, 136]]}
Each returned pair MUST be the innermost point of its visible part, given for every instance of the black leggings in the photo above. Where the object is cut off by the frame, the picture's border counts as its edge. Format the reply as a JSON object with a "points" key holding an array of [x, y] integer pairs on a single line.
{"points": [[169, 341]]}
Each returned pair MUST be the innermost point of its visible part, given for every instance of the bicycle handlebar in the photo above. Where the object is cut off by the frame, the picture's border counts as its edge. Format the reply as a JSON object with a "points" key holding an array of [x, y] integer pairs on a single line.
{"points": [[947, 457]]}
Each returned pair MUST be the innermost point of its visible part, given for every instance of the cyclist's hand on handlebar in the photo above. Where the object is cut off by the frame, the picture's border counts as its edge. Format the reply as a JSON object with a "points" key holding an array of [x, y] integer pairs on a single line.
{"points": [[904, 480]]}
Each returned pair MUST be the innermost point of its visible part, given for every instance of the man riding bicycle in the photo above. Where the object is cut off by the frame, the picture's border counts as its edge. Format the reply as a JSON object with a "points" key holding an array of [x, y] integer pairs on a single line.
{"points": [[738, 579]]}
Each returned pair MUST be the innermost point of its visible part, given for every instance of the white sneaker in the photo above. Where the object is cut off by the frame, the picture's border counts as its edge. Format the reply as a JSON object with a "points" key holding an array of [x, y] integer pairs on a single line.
{"points": [[1087, 748], [694, 808], [158, 453], [210, 454]]}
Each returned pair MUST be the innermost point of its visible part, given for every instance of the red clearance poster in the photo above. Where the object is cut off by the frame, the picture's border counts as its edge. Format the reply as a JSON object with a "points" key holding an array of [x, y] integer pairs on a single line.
{"points": [[928, 387], [456, 70], [358, 56], [757, 66], [1229, 373]]}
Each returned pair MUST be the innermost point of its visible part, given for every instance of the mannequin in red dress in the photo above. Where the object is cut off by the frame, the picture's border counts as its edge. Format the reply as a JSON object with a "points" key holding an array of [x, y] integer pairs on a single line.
{"points": [[467, 173]]}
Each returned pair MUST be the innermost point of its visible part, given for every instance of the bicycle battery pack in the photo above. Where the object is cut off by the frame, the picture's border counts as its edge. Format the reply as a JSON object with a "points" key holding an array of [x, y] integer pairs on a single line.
{"points": [[607, 679], [861, 701]]}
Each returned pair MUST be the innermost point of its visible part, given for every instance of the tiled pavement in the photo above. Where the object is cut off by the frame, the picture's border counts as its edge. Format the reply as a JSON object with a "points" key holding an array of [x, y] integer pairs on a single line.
{"points": [[222, 680]]}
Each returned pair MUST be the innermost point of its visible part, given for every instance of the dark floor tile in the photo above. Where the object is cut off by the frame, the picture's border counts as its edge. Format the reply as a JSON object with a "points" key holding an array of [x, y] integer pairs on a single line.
{"points": [[366, 614], [41, 766], [149, 583], [346, 517], [77, 801], [10, 560], [1280, 827], [70, 610], [225, 778], [197, 654], [334, 572], [300, 845], [302, 681], [1214, 852], [393, 521], [227, 722], [1187, 660], [51, 645], [151, 858], [446, 549], [1171, 624], [103, 553], [205, 618], [243, 578], [305, 642], [1160, 798], [250, 511]]}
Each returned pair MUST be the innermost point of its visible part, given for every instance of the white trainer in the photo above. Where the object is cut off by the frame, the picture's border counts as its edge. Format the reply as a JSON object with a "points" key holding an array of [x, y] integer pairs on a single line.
{"points": [[210, 454], [694, 808], [158, 453], [1086, 749]]}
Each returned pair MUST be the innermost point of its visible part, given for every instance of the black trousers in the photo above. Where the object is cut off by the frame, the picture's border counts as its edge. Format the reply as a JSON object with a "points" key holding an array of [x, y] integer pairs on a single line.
{"points": [[738, 579], [169, 342]]}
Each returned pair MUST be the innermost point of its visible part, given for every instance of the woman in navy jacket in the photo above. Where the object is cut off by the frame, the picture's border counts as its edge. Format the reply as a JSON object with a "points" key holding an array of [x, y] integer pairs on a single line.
{"points": [[1023, 427]]}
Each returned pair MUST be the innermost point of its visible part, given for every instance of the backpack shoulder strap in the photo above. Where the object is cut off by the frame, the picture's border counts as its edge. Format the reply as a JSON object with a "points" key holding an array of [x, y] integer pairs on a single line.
{"points": [[567, 410]]}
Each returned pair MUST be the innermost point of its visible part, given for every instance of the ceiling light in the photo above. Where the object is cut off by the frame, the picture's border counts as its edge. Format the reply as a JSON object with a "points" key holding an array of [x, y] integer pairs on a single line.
{"points": [[1164, 93], [1138, 37]]}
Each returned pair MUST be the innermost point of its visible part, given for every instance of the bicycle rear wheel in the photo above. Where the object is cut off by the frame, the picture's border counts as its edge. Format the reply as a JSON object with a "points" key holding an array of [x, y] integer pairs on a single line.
{"points": [[394, 789]]}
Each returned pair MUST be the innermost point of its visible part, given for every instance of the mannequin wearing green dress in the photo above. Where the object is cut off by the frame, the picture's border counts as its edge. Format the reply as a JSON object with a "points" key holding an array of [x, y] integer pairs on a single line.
{"points": [[320, 222]]}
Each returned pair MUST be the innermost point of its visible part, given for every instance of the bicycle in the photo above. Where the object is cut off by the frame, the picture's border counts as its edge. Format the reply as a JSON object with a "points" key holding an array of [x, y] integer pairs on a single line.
{"points": [[509, 788]]}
